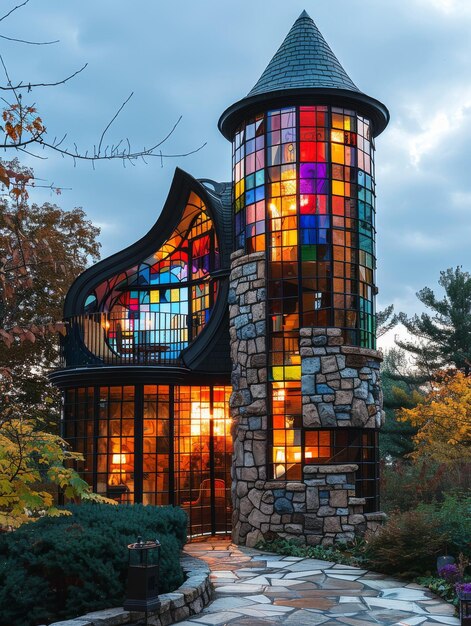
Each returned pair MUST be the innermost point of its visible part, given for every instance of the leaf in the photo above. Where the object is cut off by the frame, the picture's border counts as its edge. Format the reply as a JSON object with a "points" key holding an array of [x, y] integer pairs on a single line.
{"points": [[4, 178]]}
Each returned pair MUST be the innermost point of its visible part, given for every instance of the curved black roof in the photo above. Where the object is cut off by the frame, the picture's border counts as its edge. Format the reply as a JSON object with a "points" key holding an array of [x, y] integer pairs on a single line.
{"points": [[210, 351], [304, 68]]}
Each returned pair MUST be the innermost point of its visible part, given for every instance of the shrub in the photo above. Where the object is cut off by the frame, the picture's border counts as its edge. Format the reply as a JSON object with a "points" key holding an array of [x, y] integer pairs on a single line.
{"points": [[57, 568], [407, 545], [405, 485], [453, 517], [335, 554]]}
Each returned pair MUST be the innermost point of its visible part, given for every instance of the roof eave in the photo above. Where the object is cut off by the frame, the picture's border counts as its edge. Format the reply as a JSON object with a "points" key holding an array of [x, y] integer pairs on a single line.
{"points": [[371, 108]]}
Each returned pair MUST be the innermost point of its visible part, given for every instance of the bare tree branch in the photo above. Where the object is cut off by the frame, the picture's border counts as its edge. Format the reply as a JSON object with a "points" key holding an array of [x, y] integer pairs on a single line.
{"points": [[18, 6], [30, 43], [124, 155], [19, 123], [20, 144], [30, 86], [8, 79]]}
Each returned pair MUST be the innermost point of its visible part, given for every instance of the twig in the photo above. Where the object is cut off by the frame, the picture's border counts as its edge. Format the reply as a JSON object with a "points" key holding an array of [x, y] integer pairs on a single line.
{"points": [[30, 43], [30, 86], [112, 120], [18, 6]]}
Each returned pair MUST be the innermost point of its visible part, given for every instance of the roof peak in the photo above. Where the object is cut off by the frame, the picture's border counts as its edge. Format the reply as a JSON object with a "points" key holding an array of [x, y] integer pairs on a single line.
{"points": [[304, 60], [303, 70]]}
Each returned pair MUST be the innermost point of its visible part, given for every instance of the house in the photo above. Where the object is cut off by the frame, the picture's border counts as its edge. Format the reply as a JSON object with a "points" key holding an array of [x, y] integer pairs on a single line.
{"points": [[226, 362]]}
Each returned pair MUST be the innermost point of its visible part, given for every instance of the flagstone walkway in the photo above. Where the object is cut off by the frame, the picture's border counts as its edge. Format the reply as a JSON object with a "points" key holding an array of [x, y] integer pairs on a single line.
{"points": [[253, 588]]}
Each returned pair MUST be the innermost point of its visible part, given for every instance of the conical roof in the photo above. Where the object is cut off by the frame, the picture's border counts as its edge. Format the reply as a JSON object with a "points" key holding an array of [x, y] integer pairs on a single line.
{"points": [[304, 70], [304, 59]]}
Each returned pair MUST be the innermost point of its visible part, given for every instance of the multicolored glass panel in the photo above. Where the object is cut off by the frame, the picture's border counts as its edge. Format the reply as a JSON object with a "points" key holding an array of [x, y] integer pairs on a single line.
{"points": [[167, 299], [315, 217]]}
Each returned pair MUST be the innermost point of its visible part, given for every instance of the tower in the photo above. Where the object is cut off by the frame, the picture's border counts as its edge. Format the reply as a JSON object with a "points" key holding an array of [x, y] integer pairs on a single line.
{"points": [[306, 399]]}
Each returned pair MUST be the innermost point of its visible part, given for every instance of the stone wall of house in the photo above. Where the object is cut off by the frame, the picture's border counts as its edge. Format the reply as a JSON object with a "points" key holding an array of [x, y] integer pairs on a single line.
{"points": [[322, 509], [340, 387], [247, 312], [340, 384]]}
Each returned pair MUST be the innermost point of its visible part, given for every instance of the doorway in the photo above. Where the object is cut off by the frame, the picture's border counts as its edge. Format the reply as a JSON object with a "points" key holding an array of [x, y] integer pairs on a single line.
{"points": [[202, 456]]}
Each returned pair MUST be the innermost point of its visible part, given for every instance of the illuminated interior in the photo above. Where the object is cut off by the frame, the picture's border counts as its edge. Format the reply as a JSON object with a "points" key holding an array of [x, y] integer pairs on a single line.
{"points": [[158, 306], [304, 191], [157, 444]]}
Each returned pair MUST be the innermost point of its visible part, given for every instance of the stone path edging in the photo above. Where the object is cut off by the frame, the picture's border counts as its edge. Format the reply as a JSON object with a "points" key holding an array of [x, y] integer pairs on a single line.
{"points": [[188, 600]]}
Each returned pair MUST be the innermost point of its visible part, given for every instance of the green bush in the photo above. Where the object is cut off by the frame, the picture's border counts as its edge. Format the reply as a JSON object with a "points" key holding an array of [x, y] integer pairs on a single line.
{"points": [[407, 545], [439, 586], [453, 517], [350, 555], [62, 567]]}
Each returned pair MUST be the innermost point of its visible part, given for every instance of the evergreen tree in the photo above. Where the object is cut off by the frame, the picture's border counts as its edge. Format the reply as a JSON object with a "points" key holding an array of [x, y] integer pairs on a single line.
{"points": [[443, 338], [400, 391]]}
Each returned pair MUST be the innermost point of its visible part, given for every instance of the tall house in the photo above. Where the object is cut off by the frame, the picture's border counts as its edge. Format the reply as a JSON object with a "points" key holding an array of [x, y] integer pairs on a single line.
{"points": [[226, 361], [306, 402]]}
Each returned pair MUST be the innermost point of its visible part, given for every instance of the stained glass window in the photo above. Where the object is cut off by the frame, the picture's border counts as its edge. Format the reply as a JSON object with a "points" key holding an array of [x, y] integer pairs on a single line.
{"points": [[315, 218], [314, 214], [159, 305]]}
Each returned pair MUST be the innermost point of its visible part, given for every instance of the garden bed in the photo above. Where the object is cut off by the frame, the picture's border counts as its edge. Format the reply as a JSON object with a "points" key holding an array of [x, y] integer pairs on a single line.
{"points": [[189, 599]]}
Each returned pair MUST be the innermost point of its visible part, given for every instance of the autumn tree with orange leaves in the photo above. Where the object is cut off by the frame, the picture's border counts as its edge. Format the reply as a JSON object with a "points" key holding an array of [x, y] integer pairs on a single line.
{"points": [[443, 420], [42, 250]]}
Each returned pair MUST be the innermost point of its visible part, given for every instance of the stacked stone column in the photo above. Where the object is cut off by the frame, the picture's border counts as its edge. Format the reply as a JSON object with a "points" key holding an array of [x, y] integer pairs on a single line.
{"points": [[249, 350], [340, 387]]}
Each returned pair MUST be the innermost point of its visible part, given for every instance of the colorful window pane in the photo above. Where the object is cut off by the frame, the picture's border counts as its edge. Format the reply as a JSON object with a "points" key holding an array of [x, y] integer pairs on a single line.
{"points": [[158, 306]]}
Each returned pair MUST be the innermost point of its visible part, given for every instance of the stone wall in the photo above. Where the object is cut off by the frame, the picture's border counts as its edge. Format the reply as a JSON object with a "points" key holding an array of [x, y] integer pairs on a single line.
{"points": [[322, 509], [340, 384], [340, 387], [247, 312], [189, 599]]}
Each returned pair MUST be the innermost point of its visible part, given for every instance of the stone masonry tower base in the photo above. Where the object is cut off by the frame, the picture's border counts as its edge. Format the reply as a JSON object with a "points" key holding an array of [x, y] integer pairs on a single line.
{"points": [[340, 388]]}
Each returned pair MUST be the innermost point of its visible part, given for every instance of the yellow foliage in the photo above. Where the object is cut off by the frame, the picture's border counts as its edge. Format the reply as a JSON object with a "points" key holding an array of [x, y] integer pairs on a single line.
{"points": [[443, 419], [30, 460]]}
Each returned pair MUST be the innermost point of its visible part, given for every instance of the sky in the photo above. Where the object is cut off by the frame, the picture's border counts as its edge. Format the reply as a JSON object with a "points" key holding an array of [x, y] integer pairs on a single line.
{"points": [[194, 59]]}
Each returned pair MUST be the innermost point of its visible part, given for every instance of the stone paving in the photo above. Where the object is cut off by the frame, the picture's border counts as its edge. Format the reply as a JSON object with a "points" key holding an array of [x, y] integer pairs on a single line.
{"points": [[253, 588]]}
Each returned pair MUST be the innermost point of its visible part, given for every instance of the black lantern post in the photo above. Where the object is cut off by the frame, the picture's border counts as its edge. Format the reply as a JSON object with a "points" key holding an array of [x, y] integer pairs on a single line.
{"points": [[465, 606], [142, 592]]}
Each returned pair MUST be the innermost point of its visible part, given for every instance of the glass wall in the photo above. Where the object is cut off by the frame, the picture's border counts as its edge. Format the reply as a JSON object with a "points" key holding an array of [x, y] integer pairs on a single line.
{"points": [[203, 451], [160, 304], [304, 192], [156, 444]]}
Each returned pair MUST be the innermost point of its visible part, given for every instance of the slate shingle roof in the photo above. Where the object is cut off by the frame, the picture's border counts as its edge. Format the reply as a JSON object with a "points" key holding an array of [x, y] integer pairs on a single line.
{"points": [[303, 71], [304, 60]]}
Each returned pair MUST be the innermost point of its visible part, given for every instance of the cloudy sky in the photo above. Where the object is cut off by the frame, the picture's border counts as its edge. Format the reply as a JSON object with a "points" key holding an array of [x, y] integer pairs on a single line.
{"points": [[195, 58]]}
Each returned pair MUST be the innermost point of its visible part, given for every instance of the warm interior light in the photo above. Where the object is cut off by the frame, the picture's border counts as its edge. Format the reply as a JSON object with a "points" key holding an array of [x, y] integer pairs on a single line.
{"points": [[297, 456], [221, 426], [280, 456], [279, 394], [201, 417], [118, 459]]}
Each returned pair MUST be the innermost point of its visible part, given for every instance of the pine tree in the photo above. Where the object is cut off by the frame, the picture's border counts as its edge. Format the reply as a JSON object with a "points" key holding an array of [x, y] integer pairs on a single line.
{"points": [[443, 339], [400, 391]]}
